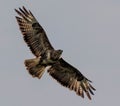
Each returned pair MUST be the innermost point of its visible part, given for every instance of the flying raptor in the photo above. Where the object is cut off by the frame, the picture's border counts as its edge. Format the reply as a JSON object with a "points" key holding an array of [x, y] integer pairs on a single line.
{"points": [[45, 55]]}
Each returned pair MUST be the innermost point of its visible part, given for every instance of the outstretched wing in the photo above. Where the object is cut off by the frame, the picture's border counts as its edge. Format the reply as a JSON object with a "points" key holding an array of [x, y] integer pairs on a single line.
{"points": [[70, 77], [33, 33]]}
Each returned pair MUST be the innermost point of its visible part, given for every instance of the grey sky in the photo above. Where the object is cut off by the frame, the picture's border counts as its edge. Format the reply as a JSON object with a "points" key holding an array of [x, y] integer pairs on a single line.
{"points": [[88, 32]]}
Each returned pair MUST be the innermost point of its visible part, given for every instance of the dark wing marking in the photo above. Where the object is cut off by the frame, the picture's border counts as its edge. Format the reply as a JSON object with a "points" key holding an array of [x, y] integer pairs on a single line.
{"points": [[34, 34], [70, 77]]}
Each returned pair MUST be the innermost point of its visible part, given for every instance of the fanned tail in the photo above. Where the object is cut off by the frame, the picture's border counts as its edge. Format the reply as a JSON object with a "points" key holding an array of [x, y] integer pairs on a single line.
{"points": [[34, 68]]}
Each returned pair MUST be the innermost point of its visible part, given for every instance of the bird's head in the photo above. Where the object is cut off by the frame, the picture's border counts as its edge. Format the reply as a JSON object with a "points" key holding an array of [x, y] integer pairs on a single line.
{"points": [[56, 54]]}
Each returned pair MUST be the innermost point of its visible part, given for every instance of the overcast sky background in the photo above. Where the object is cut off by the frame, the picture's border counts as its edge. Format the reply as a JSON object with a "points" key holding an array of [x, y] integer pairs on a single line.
{"points": [[88, 32]]}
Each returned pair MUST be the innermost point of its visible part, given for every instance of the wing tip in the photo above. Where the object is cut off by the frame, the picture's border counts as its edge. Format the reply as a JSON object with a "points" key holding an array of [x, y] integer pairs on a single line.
{"points": [[22, 12]]}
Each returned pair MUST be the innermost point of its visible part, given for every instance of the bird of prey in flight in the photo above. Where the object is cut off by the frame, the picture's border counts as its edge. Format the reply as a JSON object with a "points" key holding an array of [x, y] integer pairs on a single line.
{"points": [[45, 55]]}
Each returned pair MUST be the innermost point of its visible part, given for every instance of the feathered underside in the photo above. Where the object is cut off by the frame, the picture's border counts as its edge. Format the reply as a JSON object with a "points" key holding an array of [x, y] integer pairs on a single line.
{"points": [[35, 37], [34, 34], [70, 77]]}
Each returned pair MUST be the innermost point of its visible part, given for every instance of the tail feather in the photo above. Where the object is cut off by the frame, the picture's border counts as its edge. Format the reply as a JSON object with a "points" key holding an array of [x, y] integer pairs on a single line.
{"points": [[34, 68]]}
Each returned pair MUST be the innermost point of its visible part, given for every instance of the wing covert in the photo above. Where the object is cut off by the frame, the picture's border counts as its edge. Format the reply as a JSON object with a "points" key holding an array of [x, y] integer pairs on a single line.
{"points": [[33, 33]]}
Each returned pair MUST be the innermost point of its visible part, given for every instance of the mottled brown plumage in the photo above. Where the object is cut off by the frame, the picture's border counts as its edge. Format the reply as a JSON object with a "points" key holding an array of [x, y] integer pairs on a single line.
{"points": [[34, 34], [35, 37], [70, 77]]}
